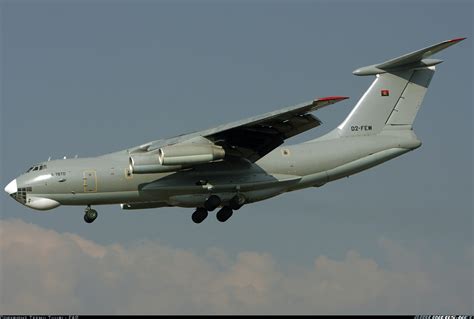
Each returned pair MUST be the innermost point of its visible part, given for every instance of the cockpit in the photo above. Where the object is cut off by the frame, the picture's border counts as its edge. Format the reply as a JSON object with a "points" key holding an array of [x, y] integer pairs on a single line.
{"points": [[37, 168]]}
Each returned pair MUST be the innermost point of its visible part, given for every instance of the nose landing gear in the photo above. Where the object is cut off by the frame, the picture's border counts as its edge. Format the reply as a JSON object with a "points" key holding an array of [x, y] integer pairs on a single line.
{"points": [[90, 215]]}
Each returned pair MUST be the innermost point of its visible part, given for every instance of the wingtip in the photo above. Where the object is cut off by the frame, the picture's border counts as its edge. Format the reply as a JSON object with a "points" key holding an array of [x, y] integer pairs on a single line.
{"points": [[331, 98], [457, 39]]}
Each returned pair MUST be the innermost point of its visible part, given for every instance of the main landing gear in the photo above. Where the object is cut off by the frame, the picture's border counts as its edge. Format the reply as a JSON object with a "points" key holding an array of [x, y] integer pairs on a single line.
{"points": [[212, 203], [224, 214], [199, 215], [89, 214]]}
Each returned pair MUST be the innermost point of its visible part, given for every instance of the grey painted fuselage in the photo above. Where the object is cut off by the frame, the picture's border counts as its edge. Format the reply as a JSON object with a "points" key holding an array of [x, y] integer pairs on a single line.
{"points": [[107, 179]]}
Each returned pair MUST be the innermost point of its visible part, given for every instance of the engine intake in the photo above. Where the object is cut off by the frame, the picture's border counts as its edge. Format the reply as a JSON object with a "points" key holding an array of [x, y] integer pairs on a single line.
{"points": [[190, 154]]}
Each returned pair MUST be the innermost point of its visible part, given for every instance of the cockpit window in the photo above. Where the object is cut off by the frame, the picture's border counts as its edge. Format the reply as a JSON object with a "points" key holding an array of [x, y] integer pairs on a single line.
{"points": [[37, 168]]}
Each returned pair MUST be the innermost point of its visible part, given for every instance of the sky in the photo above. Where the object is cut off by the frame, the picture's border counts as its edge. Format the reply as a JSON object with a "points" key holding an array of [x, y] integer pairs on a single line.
{"points": [[93, 77]]}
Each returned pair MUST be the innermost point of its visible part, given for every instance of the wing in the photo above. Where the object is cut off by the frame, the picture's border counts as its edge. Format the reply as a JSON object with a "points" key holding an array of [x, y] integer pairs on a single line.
{"points": [[255, 137]]}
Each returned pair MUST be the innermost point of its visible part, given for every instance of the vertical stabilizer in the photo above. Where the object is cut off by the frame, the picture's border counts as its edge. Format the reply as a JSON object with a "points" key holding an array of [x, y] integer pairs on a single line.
{"points": [[395, 96], [374, 108]]}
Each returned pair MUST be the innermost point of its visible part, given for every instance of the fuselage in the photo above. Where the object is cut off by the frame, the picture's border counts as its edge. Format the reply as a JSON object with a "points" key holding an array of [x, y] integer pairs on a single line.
{"points": [[108, 179]]}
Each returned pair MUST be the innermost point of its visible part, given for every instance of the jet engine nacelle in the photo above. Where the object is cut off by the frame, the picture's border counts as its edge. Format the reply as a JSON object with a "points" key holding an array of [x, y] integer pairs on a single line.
{"points": [[149, 163], [190, 154], [174, 157]]}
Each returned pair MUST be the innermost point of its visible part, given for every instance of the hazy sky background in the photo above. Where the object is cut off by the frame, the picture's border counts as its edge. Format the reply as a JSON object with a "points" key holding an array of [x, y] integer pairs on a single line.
{"points": [[92, 77]]}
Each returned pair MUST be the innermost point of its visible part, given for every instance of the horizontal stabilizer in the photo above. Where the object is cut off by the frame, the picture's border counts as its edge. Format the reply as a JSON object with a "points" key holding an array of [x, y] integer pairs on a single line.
{"points": [[413, 60]]}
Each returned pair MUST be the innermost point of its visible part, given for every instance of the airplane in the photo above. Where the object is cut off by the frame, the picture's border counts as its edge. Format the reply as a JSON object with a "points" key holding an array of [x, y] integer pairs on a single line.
{"points": [[243, 162]]}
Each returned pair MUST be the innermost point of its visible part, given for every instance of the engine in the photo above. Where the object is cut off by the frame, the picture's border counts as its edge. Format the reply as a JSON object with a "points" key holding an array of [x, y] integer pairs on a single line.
{"points": [[190, 154], [174, 157], [148, 163]]}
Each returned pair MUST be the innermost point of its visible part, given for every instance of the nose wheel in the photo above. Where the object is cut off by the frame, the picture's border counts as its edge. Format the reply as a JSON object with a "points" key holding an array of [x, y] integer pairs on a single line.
{"points": [[90, 215]]}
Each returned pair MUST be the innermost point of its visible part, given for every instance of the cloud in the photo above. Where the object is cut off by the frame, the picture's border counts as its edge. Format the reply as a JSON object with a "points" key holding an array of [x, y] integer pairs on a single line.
{"points": [[43, 271]]}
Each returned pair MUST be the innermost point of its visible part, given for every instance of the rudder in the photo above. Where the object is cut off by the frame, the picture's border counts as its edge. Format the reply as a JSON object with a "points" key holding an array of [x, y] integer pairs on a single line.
{"points": [[410, 101]]}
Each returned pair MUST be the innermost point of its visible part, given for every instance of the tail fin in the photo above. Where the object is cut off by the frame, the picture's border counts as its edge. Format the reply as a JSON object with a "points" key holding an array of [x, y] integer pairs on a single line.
{"points": [[395, 96]]}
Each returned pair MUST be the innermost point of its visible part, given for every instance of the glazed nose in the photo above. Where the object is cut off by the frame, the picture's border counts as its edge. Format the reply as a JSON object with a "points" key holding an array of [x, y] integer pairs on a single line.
{"points": [[11, 188]]}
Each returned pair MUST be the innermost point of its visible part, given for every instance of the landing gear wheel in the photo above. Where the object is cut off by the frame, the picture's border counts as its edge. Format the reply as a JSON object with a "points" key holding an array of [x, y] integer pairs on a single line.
{"points": [[199, 215], [237, 201], [90, 215], [224, 214], [212, 203], [87, 220]]}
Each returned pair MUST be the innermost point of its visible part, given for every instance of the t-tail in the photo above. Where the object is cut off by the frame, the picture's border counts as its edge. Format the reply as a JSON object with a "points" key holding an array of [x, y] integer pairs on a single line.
{"points": [[394, 98]]}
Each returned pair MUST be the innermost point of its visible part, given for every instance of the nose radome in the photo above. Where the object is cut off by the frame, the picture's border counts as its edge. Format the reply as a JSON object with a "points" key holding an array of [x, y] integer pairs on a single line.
{"points": [[11, 187]]}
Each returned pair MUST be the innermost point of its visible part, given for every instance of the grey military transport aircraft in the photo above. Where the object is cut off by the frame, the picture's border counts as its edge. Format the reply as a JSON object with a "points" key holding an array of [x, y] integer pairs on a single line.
{"points": [[242, 162]]}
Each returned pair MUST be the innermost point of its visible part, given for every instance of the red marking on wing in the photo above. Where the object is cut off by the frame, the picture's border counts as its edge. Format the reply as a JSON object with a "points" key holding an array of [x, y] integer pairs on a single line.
{"points": [[332, 98], [456, 40]]}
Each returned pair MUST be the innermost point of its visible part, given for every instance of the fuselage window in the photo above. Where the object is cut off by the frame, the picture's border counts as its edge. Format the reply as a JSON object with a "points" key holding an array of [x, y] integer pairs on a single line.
{"points": [[35, 168]]}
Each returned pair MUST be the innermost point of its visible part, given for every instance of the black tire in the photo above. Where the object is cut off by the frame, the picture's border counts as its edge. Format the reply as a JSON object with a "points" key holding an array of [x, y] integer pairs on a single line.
{"points": [[235, 206], [237, 201], [86, 219], [90, 215], [224, 214], [212, 203], [199, 215]]}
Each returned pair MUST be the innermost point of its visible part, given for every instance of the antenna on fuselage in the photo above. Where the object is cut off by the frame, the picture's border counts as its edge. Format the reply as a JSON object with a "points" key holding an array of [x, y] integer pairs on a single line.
{"points": [[49, 158]]}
